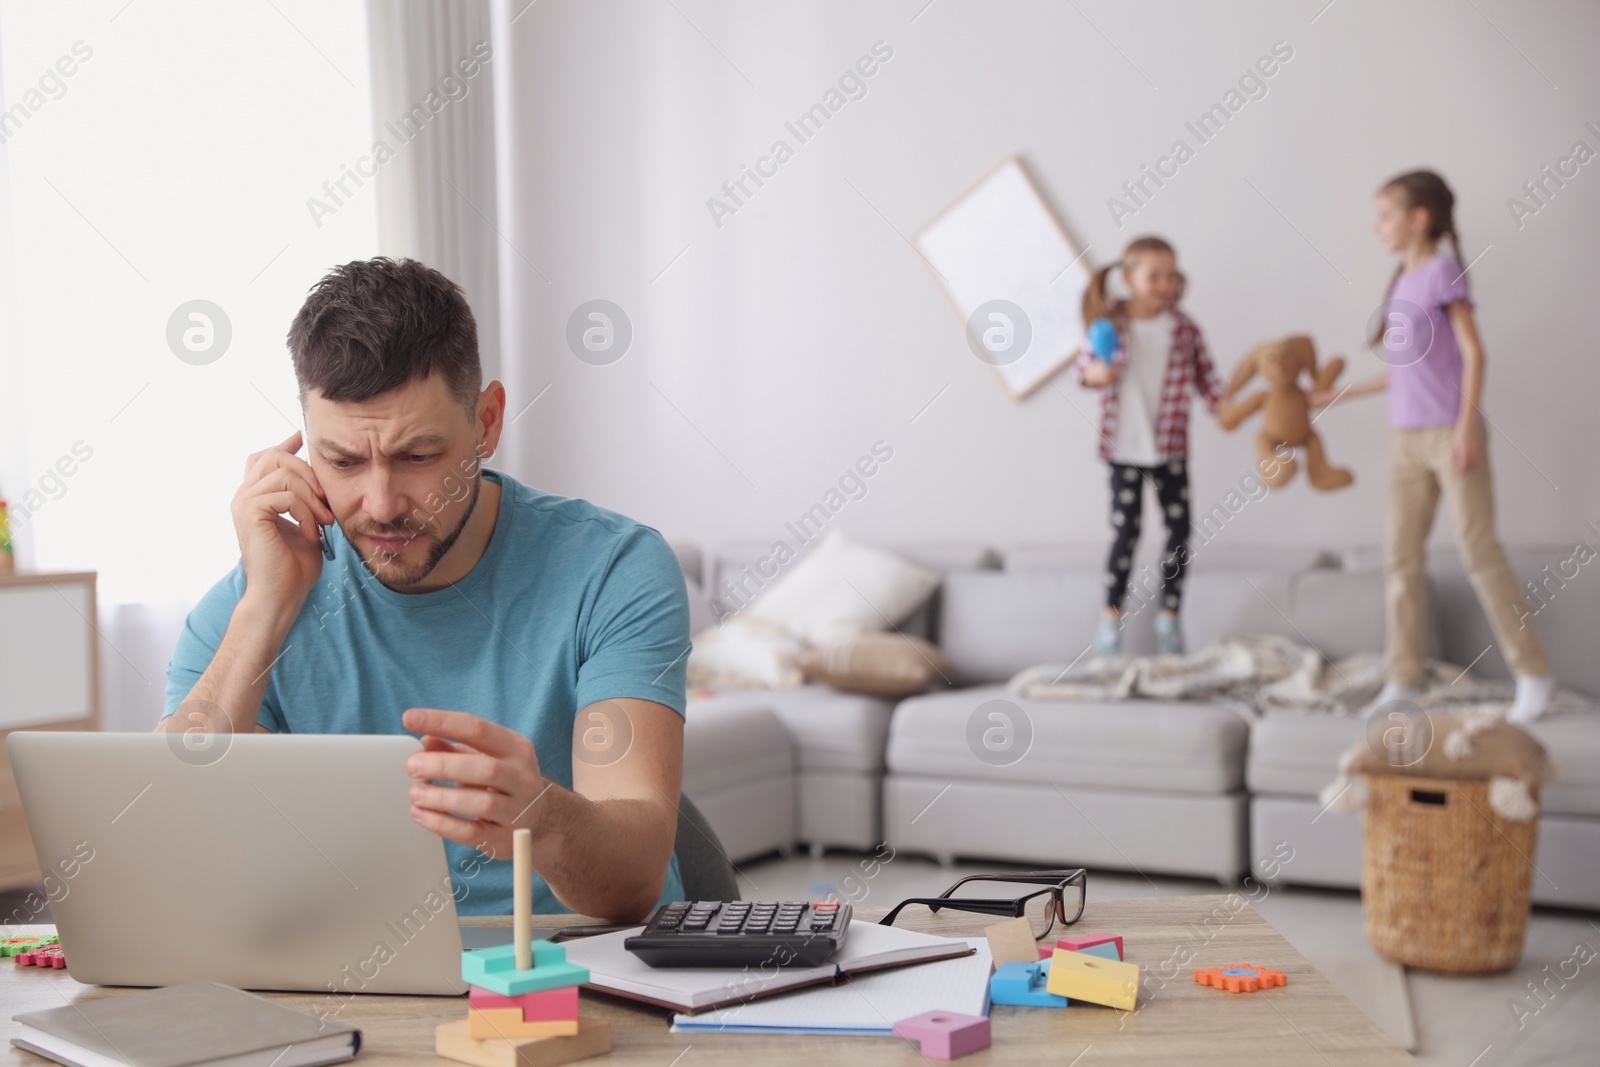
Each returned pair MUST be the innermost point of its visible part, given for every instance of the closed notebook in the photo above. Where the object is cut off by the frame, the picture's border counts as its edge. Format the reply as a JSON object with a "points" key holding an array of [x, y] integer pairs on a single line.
{"points": [[868, 947], [189, 1025]]}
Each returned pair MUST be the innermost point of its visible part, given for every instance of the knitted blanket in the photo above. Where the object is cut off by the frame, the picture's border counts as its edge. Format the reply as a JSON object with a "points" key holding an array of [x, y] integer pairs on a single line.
{"points": [[1264, 675]]}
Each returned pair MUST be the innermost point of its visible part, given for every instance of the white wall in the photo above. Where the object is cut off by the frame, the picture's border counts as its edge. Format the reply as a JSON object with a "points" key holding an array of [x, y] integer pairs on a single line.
{"points": [[805, 328]]}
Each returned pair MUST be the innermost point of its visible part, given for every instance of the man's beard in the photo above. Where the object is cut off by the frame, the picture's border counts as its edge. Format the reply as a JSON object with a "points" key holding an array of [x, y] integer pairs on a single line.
{"points": [[385, 569]]}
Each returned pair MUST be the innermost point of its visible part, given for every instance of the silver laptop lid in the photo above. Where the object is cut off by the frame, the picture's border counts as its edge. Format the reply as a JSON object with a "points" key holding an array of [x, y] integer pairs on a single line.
{"points": [[263, 861]]}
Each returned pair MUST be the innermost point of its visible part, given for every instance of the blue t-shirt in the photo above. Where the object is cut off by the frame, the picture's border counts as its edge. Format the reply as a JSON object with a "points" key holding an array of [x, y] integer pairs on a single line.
{"points": [[570, 604]]}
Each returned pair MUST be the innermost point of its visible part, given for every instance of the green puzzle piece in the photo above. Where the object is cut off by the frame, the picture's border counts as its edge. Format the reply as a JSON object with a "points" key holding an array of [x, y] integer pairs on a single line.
{"points": [[495, 969]]}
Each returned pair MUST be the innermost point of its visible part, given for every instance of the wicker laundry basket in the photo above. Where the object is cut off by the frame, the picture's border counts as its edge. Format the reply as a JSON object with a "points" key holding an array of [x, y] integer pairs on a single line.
{"points": [[1446, 883]]}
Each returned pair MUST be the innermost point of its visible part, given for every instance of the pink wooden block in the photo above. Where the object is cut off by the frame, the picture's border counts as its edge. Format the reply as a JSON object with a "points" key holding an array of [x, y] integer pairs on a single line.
{"points": [[944, 1035], [1078, 944], [547, 1005]]}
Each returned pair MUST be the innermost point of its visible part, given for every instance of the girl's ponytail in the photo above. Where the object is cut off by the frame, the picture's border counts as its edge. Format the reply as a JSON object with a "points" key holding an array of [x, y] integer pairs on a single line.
{"points": [[1096, 304]]}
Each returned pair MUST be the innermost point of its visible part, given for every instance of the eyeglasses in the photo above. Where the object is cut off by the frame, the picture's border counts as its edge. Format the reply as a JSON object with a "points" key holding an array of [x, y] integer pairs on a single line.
{"points": [[1061, 901]]}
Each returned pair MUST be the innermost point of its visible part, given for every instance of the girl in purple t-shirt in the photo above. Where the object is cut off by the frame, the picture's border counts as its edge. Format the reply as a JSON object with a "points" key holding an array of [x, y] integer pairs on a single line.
{"points": [[1427, 335]]}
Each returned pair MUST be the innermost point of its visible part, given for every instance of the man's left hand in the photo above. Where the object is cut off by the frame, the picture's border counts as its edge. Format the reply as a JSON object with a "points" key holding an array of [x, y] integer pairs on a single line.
{"points": [[496, 775]]}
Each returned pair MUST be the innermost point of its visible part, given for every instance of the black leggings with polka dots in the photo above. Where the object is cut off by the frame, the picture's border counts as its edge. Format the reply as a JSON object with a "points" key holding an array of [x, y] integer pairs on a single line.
{"points": [[1171, 480]]}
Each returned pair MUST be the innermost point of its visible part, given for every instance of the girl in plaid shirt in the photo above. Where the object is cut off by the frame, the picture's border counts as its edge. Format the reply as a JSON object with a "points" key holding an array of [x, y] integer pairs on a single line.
{"points": [[1144, 422]]}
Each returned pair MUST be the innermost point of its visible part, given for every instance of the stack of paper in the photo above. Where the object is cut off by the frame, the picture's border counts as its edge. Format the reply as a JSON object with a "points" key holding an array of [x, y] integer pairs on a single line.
{"points": [[864, 1004]]}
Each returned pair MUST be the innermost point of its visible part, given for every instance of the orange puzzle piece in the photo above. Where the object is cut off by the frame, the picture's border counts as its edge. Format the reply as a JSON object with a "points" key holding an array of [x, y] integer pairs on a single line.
{"points": [[1240, 977]]}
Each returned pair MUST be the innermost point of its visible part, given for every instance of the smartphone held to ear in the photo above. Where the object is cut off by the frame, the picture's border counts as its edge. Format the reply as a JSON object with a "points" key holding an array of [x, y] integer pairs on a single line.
{"points": [[327, 542]]}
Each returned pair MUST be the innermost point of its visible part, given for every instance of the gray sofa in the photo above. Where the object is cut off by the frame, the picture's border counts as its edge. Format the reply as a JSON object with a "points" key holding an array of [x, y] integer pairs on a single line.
{"points": [[1185, 789]]}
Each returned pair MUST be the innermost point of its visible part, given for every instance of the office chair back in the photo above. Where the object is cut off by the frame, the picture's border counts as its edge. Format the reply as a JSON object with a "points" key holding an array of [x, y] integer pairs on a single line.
{"points": [[702, 862]]}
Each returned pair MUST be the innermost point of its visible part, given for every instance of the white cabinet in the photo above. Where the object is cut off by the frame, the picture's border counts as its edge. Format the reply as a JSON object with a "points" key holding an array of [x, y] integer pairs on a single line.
{"points": [[49, 680]]}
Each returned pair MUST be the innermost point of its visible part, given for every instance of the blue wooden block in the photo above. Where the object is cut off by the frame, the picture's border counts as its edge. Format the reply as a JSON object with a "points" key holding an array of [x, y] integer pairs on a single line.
{"points": [[495, 969], [1023, 983]]}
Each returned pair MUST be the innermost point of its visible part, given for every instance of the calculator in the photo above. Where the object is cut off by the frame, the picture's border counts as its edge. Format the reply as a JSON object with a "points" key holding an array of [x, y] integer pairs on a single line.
{"points": [[738, 933]]}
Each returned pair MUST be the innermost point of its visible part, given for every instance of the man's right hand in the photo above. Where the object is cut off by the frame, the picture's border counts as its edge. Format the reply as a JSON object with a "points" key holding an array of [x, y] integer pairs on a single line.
{"points": [[282, 561]]}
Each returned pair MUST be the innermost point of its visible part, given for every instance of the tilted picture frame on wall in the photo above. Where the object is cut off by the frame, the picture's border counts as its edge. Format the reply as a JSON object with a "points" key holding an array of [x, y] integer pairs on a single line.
{"points": [[1013, 276]]}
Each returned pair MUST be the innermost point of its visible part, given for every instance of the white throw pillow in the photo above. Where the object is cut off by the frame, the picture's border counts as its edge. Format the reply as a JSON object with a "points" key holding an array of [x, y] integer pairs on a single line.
{"points": [[843, 588], [745, 653]]}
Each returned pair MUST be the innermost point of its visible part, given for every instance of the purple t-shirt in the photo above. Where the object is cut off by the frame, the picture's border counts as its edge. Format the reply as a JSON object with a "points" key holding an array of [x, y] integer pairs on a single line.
{"points": [[1420, 347]]}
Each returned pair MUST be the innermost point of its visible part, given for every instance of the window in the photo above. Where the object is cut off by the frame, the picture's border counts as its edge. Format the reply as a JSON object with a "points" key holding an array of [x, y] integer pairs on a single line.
{"points": [[157, 155]]}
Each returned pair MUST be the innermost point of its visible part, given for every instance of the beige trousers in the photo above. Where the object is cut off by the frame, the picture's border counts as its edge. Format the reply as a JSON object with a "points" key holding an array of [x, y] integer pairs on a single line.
{"points": [[1419, 467]]}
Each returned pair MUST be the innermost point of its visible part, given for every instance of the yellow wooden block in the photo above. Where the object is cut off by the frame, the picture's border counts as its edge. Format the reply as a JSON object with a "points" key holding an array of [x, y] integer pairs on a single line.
{"points": [[508, 1022], [1093, 979], [453, 1042]]}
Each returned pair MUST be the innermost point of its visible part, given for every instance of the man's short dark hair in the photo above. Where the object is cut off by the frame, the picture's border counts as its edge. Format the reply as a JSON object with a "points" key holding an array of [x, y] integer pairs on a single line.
{"points": [[373, 325]]}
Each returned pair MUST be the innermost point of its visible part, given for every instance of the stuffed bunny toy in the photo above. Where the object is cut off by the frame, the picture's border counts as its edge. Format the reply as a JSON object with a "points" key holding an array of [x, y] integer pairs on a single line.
{"points": [[1287, 420]]}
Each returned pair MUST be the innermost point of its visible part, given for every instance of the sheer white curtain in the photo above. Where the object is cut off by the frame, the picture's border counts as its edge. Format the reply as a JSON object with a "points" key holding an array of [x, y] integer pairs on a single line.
{"points": [[163, 154], [433, 75]]}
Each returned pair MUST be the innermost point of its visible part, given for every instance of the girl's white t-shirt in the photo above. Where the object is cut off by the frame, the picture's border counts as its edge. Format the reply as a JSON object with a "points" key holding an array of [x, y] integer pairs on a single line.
{"points": [[1149, 347]]}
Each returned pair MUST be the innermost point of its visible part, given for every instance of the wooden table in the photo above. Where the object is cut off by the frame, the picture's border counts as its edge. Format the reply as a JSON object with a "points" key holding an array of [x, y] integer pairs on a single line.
{"points": [[1177, 1022]]}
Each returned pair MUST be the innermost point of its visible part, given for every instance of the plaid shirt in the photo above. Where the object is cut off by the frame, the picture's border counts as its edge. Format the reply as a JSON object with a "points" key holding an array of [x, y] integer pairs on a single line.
{"points": [[1188, 367]]}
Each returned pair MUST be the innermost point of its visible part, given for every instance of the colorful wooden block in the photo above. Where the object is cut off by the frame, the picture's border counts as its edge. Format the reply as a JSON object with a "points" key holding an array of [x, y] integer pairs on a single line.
{"points": [[1080, 976], [1105, 950], [453, 1042], [1024, 984], [944, 1035], [1082, 942], [495, 969], [1011, 941], [542, 1006], [508, 1022], [1240, 977]]}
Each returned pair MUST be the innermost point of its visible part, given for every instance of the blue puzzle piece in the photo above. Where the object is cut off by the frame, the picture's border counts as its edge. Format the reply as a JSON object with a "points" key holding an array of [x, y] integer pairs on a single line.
{"points": [[495, 969], [1023, 983]]}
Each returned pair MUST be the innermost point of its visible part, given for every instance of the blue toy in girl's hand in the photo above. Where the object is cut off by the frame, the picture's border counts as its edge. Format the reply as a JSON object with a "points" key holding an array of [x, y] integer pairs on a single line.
{"points": [[1103, 339]]}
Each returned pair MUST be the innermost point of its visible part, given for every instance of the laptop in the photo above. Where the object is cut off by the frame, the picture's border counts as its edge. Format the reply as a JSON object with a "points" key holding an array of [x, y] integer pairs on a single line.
{"points": [[263, 861]]}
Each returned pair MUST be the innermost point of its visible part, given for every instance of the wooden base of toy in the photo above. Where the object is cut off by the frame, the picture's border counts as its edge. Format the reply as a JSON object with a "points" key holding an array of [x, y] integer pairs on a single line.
{"points": [[453, 1042], [508, 1022]]}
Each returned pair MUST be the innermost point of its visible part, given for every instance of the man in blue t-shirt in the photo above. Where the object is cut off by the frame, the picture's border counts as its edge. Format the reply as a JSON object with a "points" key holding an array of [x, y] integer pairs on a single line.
{"points": [[536, 643]]}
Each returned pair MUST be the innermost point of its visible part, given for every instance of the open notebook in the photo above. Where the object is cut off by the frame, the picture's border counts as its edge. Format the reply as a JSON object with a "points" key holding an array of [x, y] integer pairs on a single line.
{"points": [[866, 1004], [869, 947]]}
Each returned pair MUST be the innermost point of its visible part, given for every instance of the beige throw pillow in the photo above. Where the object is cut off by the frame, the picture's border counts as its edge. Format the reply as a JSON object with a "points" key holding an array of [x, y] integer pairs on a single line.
{"points": [[890, 665]]}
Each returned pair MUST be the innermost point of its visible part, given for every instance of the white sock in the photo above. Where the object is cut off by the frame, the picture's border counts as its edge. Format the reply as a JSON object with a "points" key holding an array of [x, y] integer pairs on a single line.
{"points": [[1533, 697]]}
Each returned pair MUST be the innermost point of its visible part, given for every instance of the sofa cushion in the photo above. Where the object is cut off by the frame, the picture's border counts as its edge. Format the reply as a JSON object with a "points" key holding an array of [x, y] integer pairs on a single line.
{"points": [[1045, 557], [1137, 745], [831, 730], [993, 624], [1296, 755], [725, 745], [1340, 613]]}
